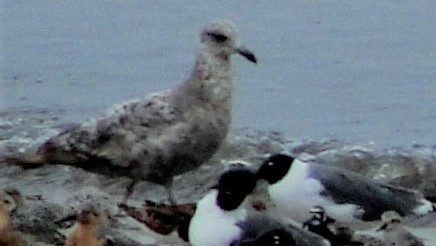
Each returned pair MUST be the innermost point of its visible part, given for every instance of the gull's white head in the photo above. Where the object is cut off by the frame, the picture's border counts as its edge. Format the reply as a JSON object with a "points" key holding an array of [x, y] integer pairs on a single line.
{"points": [[221, 38]]}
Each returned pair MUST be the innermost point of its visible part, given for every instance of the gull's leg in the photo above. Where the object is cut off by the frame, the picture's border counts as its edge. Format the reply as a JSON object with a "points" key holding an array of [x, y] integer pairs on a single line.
{"points": [[169, 188], [129, 190]]}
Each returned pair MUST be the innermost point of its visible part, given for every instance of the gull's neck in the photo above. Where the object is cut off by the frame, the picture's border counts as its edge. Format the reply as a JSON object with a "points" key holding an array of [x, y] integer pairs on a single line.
{"points": [[208, 205], [210, 81]]}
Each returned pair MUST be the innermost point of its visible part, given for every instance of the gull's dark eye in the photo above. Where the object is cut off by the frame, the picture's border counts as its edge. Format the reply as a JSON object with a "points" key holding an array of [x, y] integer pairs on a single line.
{"points": [[220, 38], [229, 193]]}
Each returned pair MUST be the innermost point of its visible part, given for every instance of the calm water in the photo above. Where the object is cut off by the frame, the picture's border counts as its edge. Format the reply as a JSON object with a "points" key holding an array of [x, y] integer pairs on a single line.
{"points": [[359, 71]]}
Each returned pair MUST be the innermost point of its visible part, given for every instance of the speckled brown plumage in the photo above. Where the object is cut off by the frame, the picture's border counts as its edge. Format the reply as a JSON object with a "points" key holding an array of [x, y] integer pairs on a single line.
{"points": [[163, 134]]}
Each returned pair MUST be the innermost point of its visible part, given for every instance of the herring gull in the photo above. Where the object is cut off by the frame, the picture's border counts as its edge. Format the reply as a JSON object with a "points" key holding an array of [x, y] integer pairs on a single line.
{"points": [[163, 134]]}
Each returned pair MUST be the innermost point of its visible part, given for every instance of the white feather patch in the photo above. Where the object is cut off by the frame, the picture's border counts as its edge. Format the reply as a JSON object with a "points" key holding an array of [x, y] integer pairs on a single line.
{"points": [[425, 207], [297, 193], [213, 226]]}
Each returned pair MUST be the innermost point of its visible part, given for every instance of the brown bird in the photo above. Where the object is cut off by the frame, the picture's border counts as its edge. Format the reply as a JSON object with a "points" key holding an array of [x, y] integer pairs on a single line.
{"points": [[90, 228], [163, 134], [8, 237]]}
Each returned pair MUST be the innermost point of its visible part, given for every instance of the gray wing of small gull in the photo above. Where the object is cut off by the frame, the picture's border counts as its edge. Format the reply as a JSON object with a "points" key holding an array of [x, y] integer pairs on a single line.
{"points": [[256, 224], [343, 186]]}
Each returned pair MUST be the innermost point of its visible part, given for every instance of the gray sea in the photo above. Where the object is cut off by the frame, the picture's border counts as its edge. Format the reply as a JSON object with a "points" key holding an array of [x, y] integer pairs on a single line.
{"points": [[362, 72]]}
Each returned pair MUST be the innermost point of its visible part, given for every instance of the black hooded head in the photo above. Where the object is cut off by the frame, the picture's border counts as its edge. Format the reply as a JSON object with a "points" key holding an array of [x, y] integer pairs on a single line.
{"points": [[275, 168], [233, 186]]}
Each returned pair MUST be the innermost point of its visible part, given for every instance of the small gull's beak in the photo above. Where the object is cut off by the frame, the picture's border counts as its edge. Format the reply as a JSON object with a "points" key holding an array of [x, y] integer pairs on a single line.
{"points": [[382, 227], [247, 54]]}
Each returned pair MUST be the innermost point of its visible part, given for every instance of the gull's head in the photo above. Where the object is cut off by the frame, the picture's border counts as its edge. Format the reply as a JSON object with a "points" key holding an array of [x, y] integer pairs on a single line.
{"points": [[318, 213], [93, 216], [275, 168], [234, 186], [221, 38]]}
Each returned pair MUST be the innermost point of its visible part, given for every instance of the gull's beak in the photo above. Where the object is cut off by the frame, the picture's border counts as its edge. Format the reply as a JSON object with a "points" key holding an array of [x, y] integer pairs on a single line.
{"points": [[247, 54], [382, 227]]}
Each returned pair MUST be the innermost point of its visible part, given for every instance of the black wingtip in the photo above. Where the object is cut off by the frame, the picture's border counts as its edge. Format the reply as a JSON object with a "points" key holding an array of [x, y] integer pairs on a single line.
{"points": [[183, 229], [431, 199]]}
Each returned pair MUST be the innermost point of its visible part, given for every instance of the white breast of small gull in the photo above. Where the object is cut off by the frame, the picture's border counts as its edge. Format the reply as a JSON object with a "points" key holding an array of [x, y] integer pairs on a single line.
{"points": [[210, 219]]}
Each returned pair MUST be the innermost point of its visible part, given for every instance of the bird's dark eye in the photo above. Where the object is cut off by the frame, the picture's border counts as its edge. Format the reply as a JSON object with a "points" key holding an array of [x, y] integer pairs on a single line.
{"points": [[220, 38], [229, 193]]}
